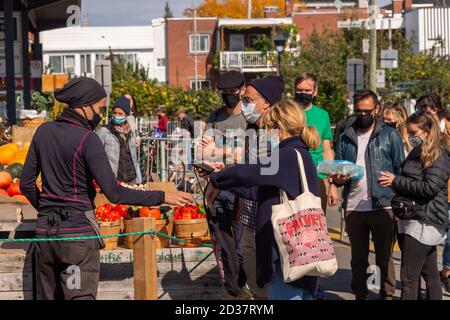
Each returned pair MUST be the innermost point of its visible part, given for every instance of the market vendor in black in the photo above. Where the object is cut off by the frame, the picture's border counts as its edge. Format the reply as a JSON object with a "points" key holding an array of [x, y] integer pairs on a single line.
{"points": [[69, 156]]}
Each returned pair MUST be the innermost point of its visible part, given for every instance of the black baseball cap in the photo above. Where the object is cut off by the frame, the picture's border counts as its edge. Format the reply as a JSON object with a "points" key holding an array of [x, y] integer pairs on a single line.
{"points": [[230, 80]]}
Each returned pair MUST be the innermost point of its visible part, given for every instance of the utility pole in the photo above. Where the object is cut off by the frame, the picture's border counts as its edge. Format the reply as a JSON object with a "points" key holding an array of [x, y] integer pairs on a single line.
{"points": [[373, 47], [197, 44], [249, 9]]}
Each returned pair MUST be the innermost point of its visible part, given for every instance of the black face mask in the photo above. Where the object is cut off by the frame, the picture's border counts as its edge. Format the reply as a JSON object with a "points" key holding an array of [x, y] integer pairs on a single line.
{"points": [[363, 121], [230, 99], [96, 119], [392, 124], [305, 99]]}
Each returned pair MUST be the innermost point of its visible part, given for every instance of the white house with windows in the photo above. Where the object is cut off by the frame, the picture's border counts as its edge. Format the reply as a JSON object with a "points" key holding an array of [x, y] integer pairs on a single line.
{"points": [[429, 27], [74, 50]]}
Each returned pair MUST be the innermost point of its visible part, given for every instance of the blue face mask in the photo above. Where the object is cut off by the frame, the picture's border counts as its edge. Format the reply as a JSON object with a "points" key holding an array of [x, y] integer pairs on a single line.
{"points": [[248, 110], [119, 120]]}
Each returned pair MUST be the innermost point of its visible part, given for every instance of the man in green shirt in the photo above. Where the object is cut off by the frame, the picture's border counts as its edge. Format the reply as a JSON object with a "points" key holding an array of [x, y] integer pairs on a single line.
{"points": [[306, 87]]}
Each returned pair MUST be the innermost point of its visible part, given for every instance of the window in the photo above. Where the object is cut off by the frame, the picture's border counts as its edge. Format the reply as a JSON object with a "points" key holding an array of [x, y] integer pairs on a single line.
{"points": [[85, 61], [56, 64], [236, 42], [69, 64], [100, 56], [201, 84], [199, 42], [161, 62], [128, 58]]}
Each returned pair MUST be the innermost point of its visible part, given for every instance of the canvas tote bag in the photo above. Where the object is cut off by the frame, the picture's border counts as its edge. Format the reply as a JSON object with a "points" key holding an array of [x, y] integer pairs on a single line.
{"points": [[301, 233]]}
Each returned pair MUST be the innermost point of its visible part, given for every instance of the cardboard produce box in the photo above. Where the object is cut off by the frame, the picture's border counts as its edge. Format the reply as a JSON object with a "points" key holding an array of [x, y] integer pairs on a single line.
{"points": [[22, 135]]}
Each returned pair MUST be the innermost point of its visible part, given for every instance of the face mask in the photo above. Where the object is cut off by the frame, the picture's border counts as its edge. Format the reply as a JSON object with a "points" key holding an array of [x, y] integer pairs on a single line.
{"points": [[305, 99], [392, 124], [248, 110], [119, 120], [96, 119], [230, 99], [415, 141], [364, 121]]}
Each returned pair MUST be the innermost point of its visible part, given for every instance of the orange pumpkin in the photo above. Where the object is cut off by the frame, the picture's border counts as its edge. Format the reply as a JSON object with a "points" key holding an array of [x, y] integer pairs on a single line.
{"points": [[7, 156], [13, 146], [21, 198], [4, 192], [14, 189], [5, 179]]}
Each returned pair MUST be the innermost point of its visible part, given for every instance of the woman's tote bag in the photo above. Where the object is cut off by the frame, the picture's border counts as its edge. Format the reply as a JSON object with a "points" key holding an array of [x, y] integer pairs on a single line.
{"points": [[301, 233]]}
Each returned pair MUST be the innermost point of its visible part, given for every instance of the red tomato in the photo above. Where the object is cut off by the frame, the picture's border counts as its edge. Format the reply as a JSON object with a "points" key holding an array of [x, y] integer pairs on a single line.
{"points": [[122, 209], [108, 207]]}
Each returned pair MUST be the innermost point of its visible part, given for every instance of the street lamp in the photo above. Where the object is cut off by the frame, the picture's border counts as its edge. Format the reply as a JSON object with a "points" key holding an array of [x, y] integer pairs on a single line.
{"points": [[280, 45]]}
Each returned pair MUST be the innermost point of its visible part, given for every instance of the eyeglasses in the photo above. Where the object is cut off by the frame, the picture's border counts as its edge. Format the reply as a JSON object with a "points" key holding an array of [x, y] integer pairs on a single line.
{"points": [[246, 99], [364, 112]]}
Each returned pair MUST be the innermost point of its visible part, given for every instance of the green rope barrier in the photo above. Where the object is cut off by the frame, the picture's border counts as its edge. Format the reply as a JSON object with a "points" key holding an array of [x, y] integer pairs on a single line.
{"points": [[153, 232]]}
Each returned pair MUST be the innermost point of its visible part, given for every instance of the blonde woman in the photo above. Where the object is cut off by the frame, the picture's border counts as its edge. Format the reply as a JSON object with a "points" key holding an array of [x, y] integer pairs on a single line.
{"points": [[250, 182], [423, 179], [395, 115]]}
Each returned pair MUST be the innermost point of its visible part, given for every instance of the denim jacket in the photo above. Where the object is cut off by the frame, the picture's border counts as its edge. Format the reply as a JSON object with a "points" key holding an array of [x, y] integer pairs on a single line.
{"points": [[384, 153], [112, 148]]}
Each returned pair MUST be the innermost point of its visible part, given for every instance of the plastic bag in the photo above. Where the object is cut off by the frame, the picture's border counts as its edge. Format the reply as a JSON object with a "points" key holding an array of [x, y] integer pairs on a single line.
{"points": [[31, 114], [340, 167]]}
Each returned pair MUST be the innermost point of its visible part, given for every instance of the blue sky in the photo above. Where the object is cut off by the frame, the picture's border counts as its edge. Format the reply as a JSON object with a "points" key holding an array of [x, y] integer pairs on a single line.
{"points": [[136, 12]]}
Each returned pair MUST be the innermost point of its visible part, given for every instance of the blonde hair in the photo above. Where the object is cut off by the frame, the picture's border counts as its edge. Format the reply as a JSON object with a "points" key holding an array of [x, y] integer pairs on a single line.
{"points": [[436, 141], [288, 116], [400, 117]]}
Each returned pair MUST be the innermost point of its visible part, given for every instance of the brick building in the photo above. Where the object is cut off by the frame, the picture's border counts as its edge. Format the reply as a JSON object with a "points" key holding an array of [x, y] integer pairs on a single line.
{"points": [[219, 45], [184, 48]]}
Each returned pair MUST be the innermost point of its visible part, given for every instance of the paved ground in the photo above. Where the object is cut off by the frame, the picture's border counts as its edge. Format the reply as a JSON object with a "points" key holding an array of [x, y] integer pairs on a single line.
{"points": [[338, 286]]}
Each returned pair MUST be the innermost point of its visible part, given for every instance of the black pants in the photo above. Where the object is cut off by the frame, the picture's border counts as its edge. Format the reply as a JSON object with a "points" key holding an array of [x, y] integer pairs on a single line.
{"points": [[68, 270], [231, 229], [418, 259], [379, 224]]}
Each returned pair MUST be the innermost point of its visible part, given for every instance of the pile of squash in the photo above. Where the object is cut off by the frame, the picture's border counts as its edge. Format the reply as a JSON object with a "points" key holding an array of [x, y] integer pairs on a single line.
{"points": [[12, 159]]}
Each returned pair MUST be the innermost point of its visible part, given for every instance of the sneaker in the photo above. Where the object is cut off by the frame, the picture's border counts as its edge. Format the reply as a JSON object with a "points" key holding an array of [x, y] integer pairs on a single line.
{"points": [[422, 295], [445, 284]]}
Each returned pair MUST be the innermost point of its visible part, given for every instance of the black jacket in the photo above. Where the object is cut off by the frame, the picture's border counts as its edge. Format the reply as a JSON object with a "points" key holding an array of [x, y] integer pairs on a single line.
{"points": [[385, 152], [251, 182], [428, 188], [69, 156]]}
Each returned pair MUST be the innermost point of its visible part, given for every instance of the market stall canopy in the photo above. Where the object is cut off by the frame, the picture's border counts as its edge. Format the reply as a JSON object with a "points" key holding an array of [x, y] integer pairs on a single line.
{"points": [[45, 14]]}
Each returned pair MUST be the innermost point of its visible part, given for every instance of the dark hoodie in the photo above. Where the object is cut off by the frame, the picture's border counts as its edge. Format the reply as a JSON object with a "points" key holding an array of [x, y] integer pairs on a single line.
{"points": [[69, 156]]}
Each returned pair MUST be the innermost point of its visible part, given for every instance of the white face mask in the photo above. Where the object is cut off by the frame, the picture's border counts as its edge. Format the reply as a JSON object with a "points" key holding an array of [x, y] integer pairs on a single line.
{"points": [[248, 110]]}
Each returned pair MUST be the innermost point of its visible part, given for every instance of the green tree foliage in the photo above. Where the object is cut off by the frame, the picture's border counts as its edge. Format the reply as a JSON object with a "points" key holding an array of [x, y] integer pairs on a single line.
{"points": [[150, 95], [325, 54], [167, 11]]}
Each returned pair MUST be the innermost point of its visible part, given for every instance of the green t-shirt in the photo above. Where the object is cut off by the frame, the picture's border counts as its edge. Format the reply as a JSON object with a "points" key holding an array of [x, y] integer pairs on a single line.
{"points": [[320, 119]]}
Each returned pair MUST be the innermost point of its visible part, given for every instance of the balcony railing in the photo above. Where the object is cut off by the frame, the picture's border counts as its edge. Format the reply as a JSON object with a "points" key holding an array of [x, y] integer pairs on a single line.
{"points": [[247, 60]]}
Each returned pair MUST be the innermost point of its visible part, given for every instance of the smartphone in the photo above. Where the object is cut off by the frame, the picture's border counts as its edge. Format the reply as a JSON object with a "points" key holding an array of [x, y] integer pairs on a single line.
{"points": [[204, 167]]}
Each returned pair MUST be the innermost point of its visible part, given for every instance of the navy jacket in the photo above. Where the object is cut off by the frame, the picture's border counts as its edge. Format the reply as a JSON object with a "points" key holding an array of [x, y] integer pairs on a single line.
{"points": [[247, 181], [69, 156], [385, 152]]}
